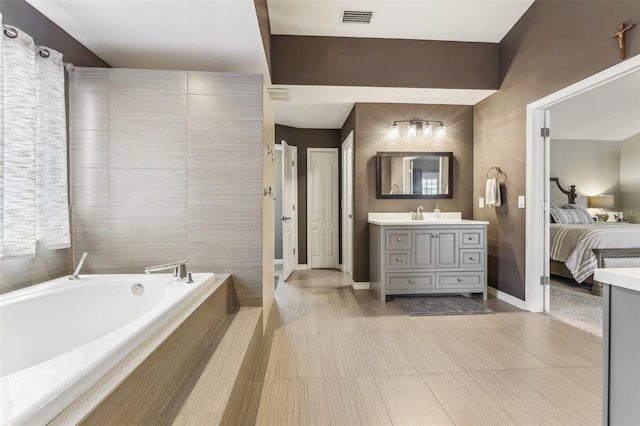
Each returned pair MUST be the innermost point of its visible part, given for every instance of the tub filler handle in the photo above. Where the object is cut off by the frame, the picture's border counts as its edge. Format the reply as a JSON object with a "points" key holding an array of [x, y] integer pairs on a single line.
{"points": [[179, 269], [77, 271]]}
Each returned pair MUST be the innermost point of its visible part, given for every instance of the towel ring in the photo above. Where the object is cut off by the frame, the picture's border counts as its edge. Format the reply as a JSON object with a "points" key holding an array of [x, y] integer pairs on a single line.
{"points": [[495, 169]]}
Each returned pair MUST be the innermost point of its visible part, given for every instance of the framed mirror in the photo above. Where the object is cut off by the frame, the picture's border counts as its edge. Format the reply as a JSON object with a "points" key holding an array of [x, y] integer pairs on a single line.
{"points": [[414, 175]]}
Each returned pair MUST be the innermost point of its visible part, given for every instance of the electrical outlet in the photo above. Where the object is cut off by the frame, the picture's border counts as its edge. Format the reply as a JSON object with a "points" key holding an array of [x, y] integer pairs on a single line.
{"points": [[521, 201], [481, 203]]}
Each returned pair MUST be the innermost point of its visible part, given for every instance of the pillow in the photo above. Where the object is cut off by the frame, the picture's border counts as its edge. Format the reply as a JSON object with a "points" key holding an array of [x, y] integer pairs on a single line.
{"points": [[582, 209], [569, 216]]}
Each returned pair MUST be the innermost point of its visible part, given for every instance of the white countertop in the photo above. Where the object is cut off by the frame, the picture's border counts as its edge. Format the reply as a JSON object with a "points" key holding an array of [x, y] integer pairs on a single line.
{"points": [[430, 218], [628, 278]]}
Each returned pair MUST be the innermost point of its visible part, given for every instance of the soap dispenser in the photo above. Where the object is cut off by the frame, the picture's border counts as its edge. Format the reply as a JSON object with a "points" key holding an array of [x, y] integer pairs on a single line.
{"points": [[436, 211]]}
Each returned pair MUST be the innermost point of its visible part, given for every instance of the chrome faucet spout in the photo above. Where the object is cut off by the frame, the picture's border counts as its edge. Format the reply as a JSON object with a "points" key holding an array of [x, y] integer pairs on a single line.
{"points": [[179, 269], [75, 276], [417, 215]]}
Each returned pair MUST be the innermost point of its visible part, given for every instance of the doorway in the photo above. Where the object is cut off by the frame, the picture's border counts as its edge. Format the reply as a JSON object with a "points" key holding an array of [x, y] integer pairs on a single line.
{"points": [[289, 217], [322, 207], [537, 183], [347, 205]]}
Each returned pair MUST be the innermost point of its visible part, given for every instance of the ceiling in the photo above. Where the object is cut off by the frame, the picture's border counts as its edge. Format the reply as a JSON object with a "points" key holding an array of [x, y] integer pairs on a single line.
{"points": [[223, 35], [610, 112]]}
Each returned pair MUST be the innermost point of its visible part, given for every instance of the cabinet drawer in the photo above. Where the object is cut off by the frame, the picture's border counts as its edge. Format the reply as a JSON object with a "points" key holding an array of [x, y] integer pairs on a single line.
{"points": [[471, 238], [398, 240], [460, 280], [410, 281], [397, 259], [472, 258]]}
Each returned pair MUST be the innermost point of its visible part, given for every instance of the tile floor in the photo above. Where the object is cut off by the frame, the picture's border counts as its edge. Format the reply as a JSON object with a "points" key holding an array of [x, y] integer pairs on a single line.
{"points": [[339, 357]]}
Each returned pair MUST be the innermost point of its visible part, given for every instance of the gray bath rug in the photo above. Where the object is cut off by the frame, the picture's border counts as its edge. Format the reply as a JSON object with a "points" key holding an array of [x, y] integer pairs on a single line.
{"points": [[440, 305]]}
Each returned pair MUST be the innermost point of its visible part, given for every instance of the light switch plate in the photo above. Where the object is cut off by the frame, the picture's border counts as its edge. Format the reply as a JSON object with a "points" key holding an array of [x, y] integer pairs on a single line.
{"points": [[521, 201], [481, 203]]}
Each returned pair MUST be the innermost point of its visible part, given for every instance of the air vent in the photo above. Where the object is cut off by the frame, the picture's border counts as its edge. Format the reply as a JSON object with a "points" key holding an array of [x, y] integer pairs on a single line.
{"points": [[356, 17], [279, 94]]}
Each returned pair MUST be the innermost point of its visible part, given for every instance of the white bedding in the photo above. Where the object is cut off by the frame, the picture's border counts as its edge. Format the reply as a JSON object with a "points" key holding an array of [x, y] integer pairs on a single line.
{"points": [[572, 244]]}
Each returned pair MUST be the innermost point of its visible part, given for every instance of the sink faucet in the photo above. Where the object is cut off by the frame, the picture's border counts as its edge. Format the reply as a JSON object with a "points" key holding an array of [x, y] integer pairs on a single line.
{"points": [[179, 269], [77, 271], [417, 215], [436, 211]]}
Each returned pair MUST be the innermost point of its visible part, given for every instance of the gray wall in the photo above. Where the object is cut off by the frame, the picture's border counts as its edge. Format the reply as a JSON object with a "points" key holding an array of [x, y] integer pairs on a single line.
{"points": [[45, 265], [592, 166], [554, 44], [372, 122], [167, 165]]}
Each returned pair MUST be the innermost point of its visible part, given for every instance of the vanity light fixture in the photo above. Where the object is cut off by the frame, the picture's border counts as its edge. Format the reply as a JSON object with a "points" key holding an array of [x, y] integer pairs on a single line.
{"points": [[412, 128]]}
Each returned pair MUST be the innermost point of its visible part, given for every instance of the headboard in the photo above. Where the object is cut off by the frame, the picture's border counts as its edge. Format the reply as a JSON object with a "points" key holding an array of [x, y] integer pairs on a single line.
{"points": [[571, 193]]}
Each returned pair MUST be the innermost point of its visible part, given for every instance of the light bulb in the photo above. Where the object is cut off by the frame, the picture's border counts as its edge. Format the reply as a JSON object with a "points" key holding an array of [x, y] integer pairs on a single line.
{"points": [[427, 130], [441, 131], [412, 130], [395, 131]]}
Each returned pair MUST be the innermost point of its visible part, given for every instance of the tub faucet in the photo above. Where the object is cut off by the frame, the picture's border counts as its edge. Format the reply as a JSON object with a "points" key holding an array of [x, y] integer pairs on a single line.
{"points": [[77, 271], [179, 269], [417, 215]]}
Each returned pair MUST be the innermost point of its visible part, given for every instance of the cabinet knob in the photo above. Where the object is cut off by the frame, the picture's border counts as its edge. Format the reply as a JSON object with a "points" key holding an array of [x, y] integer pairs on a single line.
{"points": [[436, 236], [412, 281], [469, 239], [471, 258], [398, 239], [398, 259], [459, 280]]}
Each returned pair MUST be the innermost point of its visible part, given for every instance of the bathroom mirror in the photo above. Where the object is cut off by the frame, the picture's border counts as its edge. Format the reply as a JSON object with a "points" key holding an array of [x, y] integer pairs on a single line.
{"points": [[414, 175]]}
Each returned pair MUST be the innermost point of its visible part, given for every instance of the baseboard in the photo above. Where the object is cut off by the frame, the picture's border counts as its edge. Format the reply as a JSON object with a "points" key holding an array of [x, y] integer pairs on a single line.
{"points": [[301, 267], [500, 295], [362, 285], [278, 261]]}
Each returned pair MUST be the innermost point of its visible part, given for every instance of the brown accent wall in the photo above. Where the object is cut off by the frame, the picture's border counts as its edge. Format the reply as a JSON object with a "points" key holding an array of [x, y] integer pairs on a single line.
{"points": [[45, 265], [372, 123], [346, 61], [21, 14], [262, 12], [303, 139], [555, 44]]}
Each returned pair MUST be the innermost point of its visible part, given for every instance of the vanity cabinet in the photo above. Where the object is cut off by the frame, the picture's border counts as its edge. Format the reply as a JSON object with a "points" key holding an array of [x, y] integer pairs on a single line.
{"points": [[428, 258]]}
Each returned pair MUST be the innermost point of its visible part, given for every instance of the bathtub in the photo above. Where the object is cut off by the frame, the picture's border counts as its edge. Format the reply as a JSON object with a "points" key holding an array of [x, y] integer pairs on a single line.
{"points": [[60, 337]]}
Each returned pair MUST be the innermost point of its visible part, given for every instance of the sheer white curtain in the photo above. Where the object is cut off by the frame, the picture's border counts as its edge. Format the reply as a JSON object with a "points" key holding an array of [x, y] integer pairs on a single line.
{"points": [[34, 211]]}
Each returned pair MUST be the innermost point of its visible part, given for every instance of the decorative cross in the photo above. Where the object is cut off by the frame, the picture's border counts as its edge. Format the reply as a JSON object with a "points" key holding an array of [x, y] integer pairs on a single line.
{"points": [[622, 28]]}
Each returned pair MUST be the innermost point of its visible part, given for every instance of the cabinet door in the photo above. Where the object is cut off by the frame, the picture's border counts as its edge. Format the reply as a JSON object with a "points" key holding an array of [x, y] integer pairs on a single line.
{"points": [[446, 248], [423, 256]]}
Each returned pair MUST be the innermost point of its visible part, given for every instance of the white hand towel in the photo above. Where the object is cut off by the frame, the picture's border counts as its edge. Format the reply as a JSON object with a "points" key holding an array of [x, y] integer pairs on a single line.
{"points": [[492, 195]]}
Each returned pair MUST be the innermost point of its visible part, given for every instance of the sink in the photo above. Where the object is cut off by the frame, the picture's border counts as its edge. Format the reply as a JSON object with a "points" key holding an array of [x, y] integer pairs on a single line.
{"points": [[404, 218]]}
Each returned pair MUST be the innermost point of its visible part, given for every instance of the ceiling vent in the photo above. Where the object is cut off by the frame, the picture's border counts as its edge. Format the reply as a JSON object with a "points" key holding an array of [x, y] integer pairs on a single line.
{"points": [[279, 94], [356, 16]]}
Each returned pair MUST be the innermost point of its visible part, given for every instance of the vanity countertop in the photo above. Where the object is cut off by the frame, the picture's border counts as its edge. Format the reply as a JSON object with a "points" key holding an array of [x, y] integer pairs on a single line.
{"points": [[430, 218], [628, 278]]}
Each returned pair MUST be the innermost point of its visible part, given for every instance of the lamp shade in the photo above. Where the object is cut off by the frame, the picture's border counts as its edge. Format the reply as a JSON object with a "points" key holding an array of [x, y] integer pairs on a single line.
{"points": [[601, 202]]}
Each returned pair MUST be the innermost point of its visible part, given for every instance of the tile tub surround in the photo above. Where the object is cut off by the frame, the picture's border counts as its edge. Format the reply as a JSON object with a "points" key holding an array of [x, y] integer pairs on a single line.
{"points": [[145, 380], [151, 156]]}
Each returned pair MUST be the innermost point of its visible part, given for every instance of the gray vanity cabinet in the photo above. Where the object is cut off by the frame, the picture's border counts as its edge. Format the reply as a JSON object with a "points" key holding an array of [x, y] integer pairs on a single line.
{"points": [[425, 259]]}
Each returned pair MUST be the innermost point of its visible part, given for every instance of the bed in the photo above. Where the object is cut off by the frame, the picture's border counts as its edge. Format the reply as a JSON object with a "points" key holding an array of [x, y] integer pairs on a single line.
{"points": [[577, 244]]}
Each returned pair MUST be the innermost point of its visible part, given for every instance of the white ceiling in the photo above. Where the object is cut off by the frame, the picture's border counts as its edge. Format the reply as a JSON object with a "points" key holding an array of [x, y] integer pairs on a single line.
{"points": [[223, 35], [452, 20], [610, 112]]}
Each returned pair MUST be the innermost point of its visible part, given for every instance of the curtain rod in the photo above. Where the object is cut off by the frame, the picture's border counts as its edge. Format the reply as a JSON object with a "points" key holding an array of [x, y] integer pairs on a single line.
{"points": [[12, 33]]}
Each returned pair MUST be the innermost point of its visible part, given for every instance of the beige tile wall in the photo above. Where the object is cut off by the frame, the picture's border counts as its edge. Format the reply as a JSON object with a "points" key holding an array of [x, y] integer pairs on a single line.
{"points": [[168, 165]]}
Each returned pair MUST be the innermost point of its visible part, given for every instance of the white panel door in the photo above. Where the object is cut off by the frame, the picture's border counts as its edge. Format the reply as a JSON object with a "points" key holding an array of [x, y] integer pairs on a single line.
{"points": [[347, 205], [322, 203], [289, 189]]}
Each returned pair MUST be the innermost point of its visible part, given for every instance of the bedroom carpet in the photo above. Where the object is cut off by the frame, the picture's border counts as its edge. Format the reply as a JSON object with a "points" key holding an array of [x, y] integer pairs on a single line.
{"points": [[440, 305], [581, 310]]}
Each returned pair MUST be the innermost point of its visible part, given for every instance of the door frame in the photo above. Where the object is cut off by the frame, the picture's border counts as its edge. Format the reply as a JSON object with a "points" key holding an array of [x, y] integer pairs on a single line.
{"points": [[536, 249], [336, 244], [347, 249]]}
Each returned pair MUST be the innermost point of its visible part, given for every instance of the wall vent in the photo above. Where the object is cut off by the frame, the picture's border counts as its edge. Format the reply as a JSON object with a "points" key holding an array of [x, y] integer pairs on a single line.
{"points": [[279, 94], [356, 16]]}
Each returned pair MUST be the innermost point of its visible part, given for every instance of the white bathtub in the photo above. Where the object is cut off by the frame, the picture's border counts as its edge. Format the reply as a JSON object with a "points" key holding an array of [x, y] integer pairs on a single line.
{"points": [[59, 337]]}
